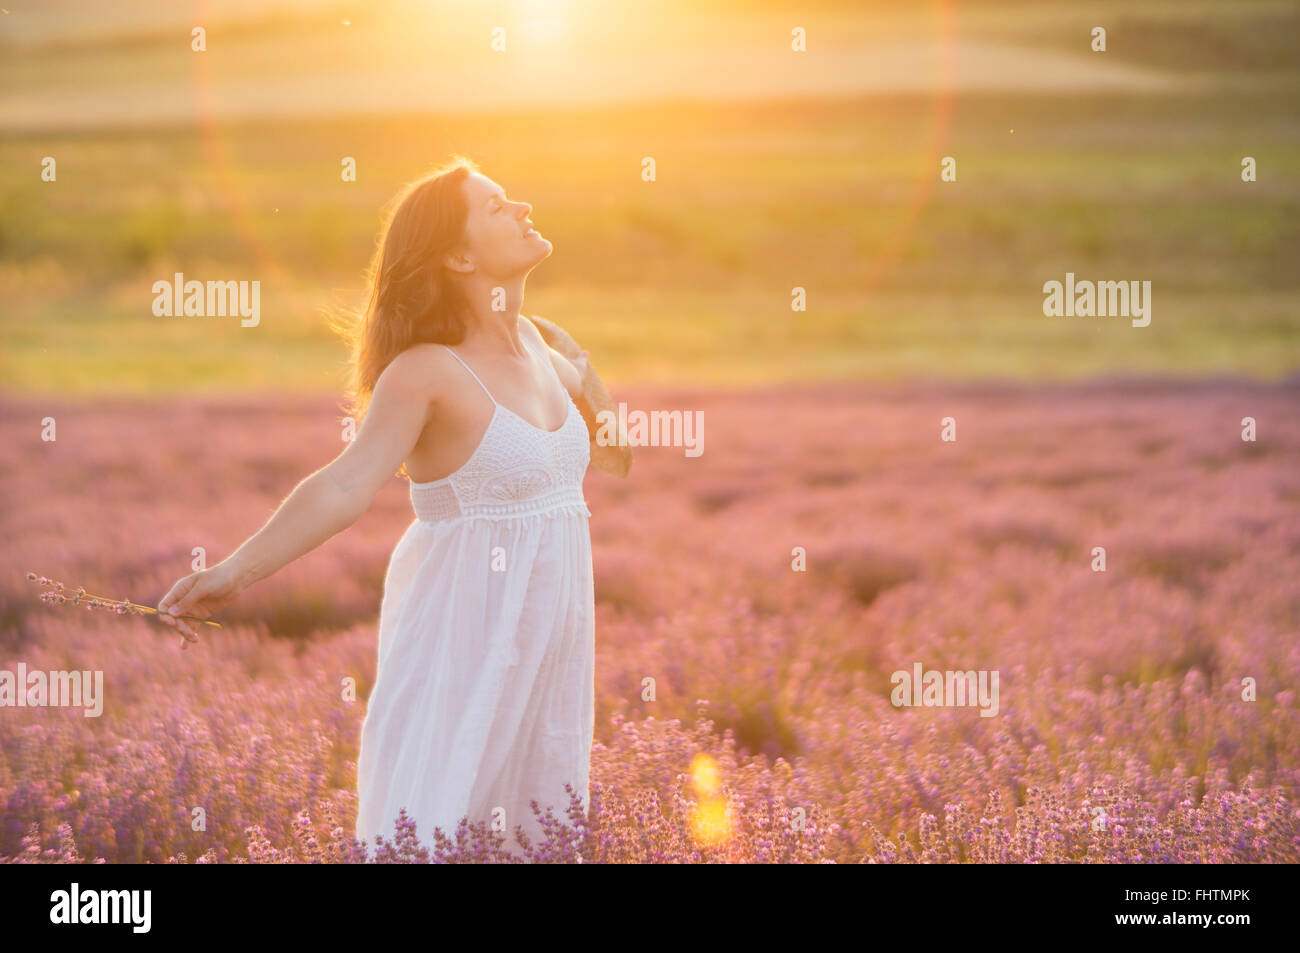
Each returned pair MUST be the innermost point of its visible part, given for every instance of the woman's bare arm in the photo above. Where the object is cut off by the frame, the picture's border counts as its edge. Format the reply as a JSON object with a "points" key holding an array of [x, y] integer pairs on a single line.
{"points": [[325, 503]]}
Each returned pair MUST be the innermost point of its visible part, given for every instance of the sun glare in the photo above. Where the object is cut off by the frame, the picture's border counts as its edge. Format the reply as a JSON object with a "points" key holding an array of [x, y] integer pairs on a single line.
{"points": [[710, 821], [544, 23]]}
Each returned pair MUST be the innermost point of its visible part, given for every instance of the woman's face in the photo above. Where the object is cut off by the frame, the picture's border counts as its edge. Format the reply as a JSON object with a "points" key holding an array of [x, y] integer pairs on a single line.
{"points": [[500, 241]]}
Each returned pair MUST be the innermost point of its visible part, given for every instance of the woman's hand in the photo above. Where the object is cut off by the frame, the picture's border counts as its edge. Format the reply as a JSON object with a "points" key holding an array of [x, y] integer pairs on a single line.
{"points": [[199, 594]]}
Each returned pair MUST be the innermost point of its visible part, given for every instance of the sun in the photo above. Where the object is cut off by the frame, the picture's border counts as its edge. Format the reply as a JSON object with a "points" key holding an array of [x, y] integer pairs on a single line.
{"points": [[545, 23]]}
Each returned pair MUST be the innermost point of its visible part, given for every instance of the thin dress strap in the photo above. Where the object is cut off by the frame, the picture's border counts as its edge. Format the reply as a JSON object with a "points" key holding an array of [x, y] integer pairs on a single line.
{"points": [[472, 374]]}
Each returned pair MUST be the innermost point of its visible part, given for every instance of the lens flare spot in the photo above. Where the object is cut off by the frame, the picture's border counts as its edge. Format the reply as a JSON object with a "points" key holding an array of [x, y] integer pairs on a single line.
{"points": [[709, 822], [704, 775]]}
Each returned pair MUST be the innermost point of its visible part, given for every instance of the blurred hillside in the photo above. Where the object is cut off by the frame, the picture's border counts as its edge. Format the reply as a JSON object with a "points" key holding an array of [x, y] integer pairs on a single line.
{"points": [[775, 170]]}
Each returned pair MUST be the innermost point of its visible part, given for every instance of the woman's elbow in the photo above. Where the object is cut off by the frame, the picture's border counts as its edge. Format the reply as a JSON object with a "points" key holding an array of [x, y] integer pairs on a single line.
{"points": [[343, 501]]}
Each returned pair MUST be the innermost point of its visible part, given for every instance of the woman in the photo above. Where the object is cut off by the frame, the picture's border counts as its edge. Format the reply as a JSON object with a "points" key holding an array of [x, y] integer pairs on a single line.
{"points": [[483, 697]]}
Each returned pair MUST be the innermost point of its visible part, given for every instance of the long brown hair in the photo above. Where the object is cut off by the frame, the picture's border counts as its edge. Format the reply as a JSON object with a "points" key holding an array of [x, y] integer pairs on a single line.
{"points": [[412, 297]]}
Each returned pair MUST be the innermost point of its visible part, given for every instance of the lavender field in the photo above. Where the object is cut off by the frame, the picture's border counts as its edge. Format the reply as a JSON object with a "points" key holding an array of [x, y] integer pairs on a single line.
{"points": [[1123, 731]]}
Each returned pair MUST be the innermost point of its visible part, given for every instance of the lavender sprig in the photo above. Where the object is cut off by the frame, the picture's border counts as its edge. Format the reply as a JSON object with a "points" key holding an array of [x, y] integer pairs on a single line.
{"points": [[58, 595]]}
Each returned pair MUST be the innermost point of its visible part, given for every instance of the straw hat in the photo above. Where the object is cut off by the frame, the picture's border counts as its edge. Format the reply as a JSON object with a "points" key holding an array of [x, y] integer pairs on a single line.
{"points": [[614, 459]]}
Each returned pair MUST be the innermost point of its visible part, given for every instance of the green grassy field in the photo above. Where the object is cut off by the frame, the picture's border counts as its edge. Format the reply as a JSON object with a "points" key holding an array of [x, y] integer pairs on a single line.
{"points": [[689, 278]]}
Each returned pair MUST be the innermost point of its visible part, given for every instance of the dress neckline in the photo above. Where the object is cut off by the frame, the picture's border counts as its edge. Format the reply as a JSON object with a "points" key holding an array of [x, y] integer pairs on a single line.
{"points": [[488, 431], [496, 403], [533, 425]]}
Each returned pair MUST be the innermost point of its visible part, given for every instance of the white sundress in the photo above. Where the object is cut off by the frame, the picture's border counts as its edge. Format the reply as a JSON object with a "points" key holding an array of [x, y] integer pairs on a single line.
{"points": [[484, 696]]}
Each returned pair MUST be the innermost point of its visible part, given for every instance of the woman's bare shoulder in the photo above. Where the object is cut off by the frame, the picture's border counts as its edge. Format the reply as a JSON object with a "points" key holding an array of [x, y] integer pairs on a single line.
{"points": [[569, 375], [423, 369], [528, 326]]}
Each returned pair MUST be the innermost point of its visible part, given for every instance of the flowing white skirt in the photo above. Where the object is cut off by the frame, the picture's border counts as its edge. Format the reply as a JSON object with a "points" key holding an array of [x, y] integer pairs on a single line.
{"points": [[484, 696]]}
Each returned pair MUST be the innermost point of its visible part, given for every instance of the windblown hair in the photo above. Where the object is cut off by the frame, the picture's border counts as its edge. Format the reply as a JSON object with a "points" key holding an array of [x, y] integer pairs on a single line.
{"points": [[413, 299]]}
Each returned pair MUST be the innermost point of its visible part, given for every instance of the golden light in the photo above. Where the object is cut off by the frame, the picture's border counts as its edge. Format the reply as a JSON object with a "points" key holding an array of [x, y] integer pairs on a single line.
{"points": [[710, 823], [704, 775], [545, 23]]}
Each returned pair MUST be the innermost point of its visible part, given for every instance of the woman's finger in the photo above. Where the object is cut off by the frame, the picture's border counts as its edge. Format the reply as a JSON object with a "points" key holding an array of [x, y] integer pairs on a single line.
{"points": [[176, 595]]}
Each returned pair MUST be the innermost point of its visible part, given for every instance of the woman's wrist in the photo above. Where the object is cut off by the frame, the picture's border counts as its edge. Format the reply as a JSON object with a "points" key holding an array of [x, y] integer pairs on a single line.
{"points": [[233, 573]]}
